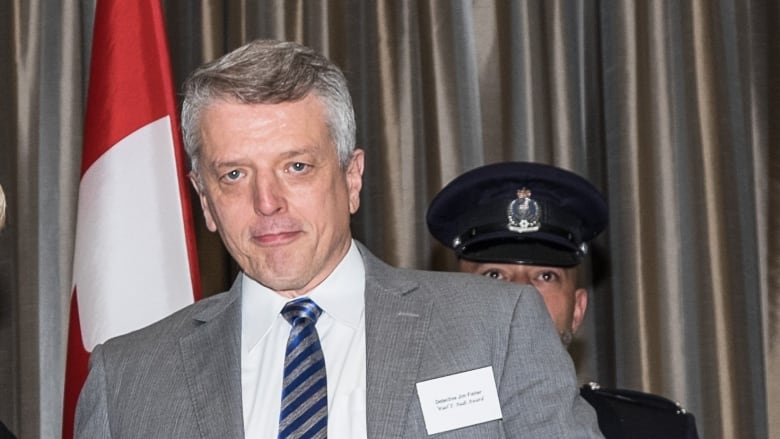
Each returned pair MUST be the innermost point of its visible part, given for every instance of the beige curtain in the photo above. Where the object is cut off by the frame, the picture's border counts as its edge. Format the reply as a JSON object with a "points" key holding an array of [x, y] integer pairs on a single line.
{"points": [[670, 107]]}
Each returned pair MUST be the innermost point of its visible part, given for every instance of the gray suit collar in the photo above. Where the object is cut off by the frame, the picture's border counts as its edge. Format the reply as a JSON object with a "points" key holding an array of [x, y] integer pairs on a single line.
{"points": [[396, 328]]}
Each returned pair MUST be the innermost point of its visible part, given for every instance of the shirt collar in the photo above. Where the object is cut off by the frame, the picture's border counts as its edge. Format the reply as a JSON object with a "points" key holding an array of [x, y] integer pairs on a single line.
{"points": [[340, 295]]}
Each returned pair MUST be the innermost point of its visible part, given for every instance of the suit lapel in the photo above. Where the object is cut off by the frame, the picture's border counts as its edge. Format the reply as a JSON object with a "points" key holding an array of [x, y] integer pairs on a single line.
{"points": [[396, 327], [212, 362]]}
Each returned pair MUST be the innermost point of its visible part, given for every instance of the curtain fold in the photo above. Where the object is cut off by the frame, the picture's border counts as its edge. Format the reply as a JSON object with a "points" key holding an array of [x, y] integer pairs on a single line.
{"points": [[680, 142], [669, 107], [41, 44]]}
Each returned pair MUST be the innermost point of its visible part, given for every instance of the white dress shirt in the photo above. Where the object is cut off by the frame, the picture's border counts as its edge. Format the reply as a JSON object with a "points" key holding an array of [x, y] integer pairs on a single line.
{"points": [[342, 332]]}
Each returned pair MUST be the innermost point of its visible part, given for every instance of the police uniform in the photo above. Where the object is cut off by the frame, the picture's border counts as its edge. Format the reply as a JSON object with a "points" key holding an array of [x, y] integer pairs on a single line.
{"points": [[5, 433], [537, 214]]}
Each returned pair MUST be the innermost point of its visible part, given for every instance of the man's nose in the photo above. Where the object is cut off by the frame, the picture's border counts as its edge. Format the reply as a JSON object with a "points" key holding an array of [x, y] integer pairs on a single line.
{"points": [[268, 194], [521, 277]]}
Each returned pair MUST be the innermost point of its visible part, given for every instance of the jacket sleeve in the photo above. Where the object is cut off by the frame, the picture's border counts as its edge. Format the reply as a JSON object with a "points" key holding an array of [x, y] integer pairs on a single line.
{"points": [[538, 389]]}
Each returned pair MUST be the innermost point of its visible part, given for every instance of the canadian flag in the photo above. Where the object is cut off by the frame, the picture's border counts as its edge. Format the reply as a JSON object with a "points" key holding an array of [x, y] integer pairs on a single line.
{"points": [[135, 259]]}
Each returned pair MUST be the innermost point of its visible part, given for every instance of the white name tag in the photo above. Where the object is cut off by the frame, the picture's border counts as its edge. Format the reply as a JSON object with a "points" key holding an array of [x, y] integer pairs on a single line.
{"points": [[459, 400]]}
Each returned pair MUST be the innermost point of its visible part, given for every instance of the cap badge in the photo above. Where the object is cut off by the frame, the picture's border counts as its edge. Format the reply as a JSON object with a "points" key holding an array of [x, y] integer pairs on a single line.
{"points": [[523, 213]]}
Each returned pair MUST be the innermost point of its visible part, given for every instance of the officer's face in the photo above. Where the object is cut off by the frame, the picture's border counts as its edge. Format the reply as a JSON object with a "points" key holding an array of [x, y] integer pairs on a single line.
{"points": [[558, 286]]}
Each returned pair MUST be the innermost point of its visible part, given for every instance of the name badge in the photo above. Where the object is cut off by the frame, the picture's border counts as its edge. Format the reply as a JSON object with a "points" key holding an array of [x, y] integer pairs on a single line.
{"points": [[459, 400]]}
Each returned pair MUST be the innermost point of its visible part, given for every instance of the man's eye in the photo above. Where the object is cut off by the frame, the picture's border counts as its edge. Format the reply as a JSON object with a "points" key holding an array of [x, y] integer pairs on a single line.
{"points": [[548, 276], [299, 167], [493, 274], [233, 175]]}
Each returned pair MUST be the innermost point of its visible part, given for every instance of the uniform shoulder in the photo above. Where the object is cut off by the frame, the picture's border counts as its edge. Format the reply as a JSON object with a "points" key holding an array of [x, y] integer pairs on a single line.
{"points": [[632, 413]]}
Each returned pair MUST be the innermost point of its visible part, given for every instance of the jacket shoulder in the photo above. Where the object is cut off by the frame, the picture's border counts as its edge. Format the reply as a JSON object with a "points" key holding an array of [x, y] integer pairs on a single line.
{"points": [[172, 326]]}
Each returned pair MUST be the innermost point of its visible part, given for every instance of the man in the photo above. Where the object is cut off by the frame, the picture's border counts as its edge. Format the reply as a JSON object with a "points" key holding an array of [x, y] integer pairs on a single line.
{"points": [[4, 432], [317, 336], [531, 223]]}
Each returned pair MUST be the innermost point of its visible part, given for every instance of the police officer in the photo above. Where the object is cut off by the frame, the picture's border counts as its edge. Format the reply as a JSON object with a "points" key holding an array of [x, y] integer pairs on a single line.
{"points": [[532, 223]]}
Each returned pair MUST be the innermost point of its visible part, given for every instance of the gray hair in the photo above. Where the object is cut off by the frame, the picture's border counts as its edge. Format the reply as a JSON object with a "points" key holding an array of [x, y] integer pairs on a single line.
{"points": [[269, 72]]}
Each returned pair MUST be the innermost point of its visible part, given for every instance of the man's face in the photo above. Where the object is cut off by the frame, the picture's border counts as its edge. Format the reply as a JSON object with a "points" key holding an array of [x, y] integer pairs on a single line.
{"points": [[273, 189], [565, 302]]}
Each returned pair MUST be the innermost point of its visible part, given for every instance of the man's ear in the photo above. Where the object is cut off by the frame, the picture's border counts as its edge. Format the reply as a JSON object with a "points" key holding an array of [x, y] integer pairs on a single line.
{"points": [[355, 179], [580, 306]]}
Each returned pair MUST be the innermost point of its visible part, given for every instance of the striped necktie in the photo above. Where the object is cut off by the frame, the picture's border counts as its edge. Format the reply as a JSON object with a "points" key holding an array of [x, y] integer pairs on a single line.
{"points": [[304, 412]]}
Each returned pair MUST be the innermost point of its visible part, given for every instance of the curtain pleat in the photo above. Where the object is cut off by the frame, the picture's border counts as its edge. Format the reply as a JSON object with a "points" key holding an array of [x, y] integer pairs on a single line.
{"points": [[41, 155], [669, 107]]}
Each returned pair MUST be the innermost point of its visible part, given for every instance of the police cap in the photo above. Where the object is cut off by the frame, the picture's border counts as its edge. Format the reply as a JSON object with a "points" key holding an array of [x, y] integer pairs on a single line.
{"points": [[518, 212]]}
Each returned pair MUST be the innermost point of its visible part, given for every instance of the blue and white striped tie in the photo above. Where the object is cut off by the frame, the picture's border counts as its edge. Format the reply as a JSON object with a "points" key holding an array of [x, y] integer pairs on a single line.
{"points": [[304, 412]]}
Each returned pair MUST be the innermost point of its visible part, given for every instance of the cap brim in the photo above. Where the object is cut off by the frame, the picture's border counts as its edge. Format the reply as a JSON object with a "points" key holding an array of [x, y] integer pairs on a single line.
{"points": [[521, 252]]}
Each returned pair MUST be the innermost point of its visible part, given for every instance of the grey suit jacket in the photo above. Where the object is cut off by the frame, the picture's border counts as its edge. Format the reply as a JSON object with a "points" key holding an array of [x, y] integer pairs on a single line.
{"points": [[181, 377]]}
